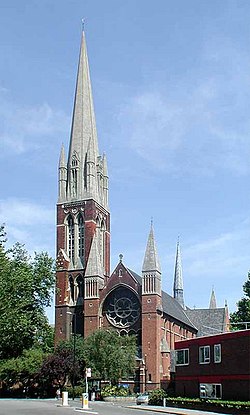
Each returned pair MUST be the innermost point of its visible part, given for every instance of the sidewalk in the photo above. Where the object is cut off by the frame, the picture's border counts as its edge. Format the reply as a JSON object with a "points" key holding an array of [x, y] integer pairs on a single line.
{"points": [[175, 411]]}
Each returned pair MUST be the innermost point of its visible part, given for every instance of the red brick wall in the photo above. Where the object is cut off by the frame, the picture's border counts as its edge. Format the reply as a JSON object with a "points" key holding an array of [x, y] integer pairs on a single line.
{"points": [[234, 369]]}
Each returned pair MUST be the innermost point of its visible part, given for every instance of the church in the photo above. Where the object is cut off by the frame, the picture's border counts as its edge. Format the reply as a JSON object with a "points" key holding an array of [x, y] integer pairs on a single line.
{"points": [[88, 295]]}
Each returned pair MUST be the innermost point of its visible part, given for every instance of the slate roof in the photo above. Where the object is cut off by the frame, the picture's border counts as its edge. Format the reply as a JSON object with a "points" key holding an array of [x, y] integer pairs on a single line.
{"points": [[208, 321], [136, 276], [170, 306], [173, 308]]}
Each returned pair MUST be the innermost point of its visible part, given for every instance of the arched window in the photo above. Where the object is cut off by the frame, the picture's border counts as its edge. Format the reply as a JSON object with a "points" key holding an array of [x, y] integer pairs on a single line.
{"points": [[81, 234], [74, 174], [80, 286], [71, 236], [72, 288]]}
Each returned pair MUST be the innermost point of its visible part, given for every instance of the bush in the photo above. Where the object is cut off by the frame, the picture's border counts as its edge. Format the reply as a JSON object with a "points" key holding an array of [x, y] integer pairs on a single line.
{"points": [[79, 390], [110, 390], [217, 403], [156, 397]]}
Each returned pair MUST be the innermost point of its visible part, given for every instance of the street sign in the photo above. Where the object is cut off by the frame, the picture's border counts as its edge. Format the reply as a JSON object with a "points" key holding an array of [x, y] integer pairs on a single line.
{"points": [[88, 372]]}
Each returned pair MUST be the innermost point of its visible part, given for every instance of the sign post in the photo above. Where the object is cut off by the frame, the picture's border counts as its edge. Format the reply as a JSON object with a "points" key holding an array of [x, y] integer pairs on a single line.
{"points": [[85, 396]]}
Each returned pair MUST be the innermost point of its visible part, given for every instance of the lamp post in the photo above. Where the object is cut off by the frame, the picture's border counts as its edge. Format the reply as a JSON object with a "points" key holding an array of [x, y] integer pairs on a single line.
{"points": [[73, 322], [74, 355]]}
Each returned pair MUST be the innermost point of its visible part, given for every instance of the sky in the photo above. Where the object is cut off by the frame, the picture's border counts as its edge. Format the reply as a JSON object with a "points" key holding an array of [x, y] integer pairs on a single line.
{"points": [[171, 87]]}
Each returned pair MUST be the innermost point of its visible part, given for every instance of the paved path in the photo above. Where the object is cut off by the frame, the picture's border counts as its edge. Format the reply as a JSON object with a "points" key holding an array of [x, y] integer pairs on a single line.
{"points": [[175, 411]]}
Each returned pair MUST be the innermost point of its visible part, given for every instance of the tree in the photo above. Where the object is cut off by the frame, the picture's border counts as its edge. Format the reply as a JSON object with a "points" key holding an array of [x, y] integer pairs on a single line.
{"points": [[109, 355], [61, 366], [243, 312], [26, 288], [21, 371]]}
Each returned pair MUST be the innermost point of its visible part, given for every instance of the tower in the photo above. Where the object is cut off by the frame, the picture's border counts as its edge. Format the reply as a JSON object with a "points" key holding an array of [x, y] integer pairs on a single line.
{"points": [[83, 219], [178, 280], [212, 303], [151, 312]]}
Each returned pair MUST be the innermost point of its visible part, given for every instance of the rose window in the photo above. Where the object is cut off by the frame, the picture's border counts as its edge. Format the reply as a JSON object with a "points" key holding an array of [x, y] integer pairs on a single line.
{"points": [[122, 308]]}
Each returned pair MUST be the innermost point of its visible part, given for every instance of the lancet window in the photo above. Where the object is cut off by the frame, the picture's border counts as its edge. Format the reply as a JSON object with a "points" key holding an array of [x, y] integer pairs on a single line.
{"points": [[72, 289], [80, 286], [74, 175], [71, 236], [81, 237]]}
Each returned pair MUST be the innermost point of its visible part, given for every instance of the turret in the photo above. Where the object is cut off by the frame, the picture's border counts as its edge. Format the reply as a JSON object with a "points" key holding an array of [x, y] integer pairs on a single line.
{"points": [[151, 269], [178, 280], [212, 303], [62, 177]]}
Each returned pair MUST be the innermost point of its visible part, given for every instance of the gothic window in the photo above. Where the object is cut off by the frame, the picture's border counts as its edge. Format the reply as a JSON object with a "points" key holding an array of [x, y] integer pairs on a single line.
{"points": [[74, 174], [71, 236], [122, 308], [102, 244], [80, 286], [81, 235], [72, 288], [74, 182]]}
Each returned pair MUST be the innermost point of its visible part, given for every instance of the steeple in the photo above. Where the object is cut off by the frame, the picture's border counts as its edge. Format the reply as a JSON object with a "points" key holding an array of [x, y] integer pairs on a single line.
{"points": [[94, 279], [151, 269], [84, 180], [62, 176], [212, 303], [178, 280]]}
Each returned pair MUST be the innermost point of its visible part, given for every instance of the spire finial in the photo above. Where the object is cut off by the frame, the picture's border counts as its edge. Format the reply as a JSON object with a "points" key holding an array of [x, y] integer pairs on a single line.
{"points": [[121, 257], [83, 23], [152, 221], [178, 279], [212, 303]]}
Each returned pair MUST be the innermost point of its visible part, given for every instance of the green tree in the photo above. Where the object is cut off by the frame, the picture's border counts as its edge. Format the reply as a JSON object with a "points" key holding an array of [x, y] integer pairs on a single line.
{"points": [[26, 288], [243, 312], [22, 369], [110, 356]]}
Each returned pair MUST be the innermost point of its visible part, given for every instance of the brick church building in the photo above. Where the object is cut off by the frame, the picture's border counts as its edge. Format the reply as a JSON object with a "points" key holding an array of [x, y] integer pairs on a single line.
{"points": [[86, 290]]}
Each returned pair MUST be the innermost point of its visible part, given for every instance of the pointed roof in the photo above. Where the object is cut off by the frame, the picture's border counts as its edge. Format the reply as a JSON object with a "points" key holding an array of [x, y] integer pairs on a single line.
{"points": [[94, 267], [62, 157], [151, 260], [212, 303], [83, 131], [178, 279]]}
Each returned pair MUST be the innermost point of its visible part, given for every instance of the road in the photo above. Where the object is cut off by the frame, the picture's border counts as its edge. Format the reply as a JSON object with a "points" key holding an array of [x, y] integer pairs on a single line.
{"points": [[52, 407]]}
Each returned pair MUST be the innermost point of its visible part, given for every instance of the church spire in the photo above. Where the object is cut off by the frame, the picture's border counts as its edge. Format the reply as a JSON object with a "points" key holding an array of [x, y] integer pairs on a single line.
{"points": [[62, 176], [212, 303], [82, 181], [178, 280], [151, 260], [151, 269]]}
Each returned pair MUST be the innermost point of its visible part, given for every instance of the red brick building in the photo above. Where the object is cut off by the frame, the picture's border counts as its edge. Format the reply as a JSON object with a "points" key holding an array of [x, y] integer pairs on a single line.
{"points": [[86, 291], [214, 366]]}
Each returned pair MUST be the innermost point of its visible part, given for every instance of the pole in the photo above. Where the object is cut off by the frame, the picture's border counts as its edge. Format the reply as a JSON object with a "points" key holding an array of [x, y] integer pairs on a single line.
{"points": [[74, 356], [87, 385]]}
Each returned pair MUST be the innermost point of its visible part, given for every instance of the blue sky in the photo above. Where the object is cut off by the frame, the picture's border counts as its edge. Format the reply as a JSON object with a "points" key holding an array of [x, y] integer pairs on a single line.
{"points": [[171, 85]]}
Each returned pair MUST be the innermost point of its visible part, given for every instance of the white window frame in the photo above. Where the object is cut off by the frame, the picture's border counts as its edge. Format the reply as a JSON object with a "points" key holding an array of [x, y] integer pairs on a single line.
{"points": [[185, 357], [208, 390], [218, 347], [206, 359]]}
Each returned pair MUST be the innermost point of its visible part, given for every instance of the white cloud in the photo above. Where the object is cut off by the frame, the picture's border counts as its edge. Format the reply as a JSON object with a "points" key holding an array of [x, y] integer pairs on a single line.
{"points": [[224, 254], [205, 128], [24, 129], [28, 223]]}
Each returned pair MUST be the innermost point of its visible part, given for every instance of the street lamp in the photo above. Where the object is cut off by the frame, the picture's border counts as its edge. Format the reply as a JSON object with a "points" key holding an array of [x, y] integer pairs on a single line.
{"points": [[73, 322]]}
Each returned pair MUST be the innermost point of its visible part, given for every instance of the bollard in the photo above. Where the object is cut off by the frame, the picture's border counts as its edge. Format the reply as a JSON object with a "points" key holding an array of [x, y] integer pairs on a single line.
{"points": [[164, 401], [85, 401], [65, 399]]}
